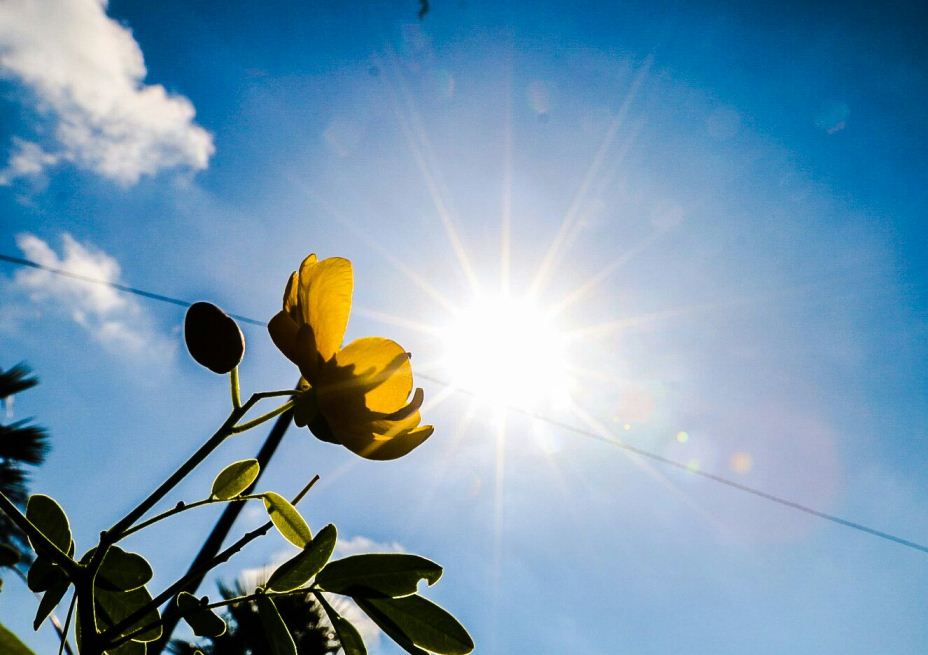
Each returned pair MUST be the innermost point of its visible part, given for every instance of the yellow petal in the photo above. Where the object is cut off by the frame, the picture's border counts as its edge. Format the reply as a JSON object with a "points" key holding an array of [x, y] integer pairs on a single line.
{"points": [[401, 444], [374, 368], [306, 355], [291, 299], [283, 333], [325, 300], [417, 398]]}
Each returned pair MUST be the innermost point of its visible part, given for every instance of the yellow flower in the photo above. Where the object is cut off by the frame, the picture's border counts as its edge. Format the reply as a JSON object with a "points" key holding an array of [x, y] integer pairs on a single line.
{"points": [[360, 392]]}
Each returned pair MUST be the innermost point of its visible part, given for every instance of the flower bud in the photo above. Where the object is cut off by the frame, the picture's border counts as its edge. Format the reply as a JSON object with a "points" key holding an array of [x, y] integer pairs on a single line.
{"points": [[213, 338]]}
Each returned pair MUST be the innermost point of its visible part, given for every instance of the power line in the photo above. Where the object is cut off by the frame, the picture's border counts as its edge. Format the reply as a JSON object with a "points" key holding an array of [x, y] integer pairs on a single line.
{"points": [[19, 261], [635, 450]]}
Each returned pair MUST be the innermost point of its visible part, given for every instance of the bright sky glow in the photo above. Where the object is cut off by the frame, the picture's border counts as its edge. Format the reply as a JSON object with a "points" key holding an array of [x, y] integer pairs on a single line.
{"points": [[509, 352], [721, 209]]}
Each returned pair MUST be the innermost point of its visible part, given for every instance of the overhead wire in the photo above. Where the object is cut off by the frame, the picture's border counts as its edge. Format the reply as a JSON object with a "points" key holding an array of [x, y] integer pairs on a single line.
{"points": [[583, 432]]}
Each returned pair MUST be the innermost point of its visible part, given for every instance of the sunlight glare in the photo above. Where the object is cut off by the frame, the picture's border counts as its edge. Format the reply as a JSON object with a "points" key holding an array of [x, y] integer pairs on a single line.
{"points": [[508, 352]]}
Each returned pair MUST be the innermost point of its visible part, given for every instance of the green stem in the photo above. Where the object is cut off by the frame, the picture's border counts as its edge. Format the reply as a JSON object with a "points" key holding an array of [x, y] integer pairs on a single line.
{"points": [[39, 540], [264, 417], [52, 618], [236, 392], [227, 429], [274, 394], [183, 507], [65, 646]]}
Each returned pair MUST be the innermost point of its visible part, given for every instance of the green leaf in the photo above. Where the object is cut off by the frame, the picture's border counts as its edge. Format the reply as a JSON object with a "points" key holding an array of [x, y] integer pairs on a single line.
{"points": [[275, 630], [235, 479], [50, 601], [305, 564], [388, 574], [390, 628], [48, 517], [348, 635], [421, 621], [44, 574], [128, 648], [202, 620], [9, 556], [11, 645], [114, 606], [122, 571], [287, 520]]}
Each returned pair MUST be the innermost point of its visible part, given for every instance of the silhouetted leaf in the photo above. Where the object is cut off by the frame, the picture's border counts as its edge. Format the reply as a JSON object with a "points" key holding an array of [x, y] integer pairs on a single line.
{"points": [[235, 478], [128, 648], [287, 519], [15, 380], [305, 564], [421, 621], [387, 574], [122, 571], [202, 620], [348, 635], [46, 515], [44, 574], [50, 601], [275, 630], [114, 606]]}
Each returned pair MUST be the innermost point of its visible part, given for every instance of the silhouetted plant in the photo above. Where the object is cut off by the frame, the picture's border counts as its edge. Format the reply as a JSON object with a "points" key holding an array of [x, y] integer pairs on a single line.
{"points": [[302, 614], [21, 444], [360, 396]]}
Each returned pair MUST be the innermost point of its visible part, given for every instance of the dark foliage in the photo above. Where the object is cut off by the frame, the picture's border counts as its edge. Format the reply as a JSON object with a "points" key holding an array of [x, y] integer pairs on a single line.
{"points": [[245, 634], [21, 444]]}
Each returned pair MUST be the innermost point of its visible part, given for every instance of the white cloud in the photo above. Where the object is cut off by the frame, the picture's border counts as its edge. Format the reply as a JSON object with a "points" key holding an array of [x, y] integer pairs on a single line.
{"points": [[358, 545], [114, 319], [27, 159], [86, 72]]}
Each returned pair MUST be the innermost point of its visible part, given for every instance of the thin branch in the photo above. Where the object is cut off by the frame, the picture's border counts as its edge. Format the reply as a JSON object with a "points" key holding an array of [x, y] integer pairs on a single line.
{"points": [[52, 618], [179, 584], [236, 392], [183, 507], [63, 632], [114, 533], [264, 417]]}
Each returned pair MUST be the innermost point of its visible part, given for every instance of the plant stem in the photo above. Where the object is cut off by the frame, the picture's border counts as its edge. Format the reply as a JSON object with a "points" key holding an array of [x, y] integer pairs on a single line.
{"points": [[63, 632], [264, 417], [116, 532], [236, 392], [178, 585], [183, 507]]}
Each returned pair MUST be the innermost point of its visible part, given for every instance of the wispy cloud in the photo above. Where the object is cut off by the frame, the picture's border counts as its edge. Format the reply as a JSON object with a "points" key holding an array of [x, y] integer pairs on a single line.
{"points": [[359, 544], [115, 320], [85, 72]]}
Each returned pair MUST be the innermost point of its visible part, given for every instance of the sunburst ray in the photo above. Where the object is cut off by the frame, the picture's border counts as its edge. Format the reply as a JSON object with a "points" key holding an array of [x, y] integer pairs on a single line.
{"points": [[420, 147], [573, 210]]}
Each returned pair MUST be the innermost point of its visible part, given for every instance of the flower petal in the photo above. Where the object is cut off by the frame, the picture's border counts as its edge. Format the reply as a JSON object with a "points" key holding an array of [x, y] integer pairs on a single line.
{"points": [[375, 368], [325, 300], [291, 298], [283, 333], [401, 444]]}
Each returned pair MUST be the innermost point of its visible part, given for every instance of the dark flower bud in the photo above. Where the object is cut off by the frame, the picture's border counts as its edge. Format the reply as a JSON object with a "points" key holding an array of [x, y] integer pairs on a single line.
{"points": [[213, 338]]}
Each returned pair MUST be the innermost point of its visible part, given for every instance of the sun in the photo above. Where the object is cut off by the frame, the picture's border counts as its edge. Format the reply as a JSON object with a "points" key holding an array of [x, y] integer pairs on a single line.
{"points": [[509, 352]]}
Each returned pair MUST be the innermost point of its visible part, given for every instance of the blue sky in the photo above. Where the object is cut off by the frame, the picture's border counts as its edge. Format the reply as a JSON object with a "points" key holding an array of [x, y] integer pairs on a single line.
{"points": [[744, 185]]}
